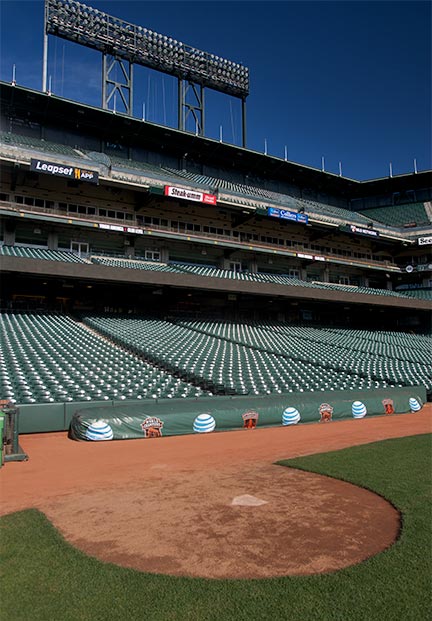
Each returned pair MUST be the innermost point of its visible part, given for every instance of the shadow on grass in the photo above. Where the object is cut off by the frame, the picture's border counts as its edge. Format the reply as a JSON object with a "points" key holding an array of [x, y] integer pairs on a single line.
{"points": [[45, 578]]}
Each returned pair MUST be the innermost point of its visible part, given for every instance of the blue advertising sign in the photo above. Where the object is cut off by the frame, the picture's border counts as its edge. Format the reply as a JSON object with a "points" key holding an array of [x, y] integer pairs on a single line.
{"points": [[285, 214], [302, 217]]}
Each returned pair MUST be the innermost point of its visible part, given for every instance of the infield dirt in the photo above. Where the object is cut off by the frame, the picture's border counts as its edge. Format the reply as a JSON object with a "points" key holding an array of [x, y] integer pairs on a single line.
{"points": [[165, 505]]}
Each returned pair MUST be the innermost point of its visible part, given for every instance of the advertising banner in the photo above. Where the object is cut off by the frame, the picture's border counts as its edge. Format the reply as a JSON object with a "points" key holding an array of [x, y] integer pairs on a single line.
{"points": [[60, 170], [285, 214], [154, 420], [121, 229], [425, 241], [358, 230], [190, 195]]}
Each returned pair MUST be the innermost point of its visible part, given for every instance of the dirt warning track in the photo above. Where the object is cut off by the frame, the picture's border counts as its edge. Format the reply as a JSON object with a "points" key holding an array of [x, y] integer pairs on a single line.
{"points": [[171, 505]]}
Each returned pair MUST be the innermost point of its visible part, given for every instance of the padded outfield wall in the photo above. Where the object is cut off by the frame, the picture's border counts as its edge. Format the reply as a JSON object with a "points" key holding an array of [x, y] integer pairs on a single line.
{"points": [[148, 419]]}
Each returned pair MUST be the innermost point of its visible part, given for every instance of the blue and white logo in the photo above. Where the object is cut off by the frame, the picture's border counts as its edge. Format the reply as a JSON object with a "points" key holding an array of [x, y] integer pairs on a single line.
{"points": [[415, 404], [358, 409], [204, 423], [99, 430], [291, 416]]}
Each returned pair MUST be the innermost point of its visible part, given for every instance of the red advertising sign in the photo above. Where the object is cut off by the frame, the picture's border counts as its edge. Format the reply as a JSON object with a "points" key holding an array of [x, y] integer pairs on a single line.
{"points": [[190, 195]]}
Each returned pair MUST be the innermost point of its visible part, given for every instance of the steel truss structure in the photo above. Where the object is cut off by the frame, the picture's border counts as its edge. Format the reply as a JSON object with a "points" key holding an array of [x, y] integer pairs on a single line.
{"points": [[121, 41]]}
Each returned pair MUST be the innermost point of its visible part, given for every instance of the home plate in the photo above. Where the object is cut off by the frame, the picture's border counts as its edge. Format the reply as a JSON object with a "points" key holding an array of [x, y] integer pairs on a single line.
{"points": [[248, 501]]}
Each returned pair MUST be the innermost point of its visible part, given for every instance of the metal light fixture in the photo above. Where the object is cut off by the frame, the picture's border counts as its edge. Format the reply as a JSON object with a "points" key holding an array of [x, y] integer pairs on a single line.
{"points": [[85, 25]]}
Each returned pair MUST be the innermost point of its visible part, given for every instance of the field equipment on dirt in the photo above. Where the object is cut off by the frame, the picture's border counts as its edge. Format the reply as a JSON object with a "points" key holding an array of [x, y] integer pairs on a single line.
{"points": [[10, 449]]}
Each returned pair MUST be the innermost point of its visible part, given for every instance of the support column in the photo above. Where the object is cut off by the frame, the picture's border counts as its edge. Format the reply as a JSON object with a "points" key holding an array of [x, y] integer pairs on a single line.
{"points": [[253, 266], [244, 123], [117, 92], [52, 240], [180, 104], [129, 247], [45, 52], [191, 107], [9, 233]]}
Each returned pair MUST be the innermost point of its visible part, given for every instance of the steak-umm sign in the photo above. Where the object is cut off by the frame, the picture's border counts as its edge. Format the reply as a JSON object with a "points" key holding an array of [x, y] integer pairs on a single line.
{"points": [[190, 195]]}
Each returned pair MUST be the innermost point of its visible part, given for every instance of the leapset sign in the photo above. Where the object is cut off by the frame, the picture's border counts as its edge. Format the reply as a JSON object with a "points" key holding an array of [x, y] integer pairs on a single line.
{"points": [[190, 195], [59, 170]]}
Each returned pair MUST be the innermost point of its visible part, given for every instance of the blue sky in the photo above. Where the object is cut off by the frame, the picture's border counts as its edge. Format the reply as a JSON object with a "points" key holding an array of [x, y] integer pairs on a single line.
{"points": [[350, 81]]}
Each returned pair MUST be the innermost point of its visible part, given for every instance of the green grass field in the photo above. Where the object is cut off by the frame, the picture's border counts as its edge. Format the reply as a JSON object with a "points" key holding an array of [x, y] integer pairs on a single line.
{"points": [[44, 578]]}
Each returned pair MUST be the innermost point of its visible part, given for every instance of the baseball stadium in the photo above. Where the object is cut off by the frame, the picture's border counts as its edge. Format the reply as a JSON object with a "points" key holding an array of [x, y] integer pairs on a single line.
{"points": [[215, 376]]}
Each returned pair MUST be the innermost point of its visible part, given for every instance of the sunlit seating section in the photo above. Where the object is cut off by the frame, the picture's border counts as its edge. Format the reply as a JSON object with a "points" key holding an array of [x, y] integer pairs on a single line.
{"points": [[390, 359], [331, 212], [264, 358], [215, 272], [41, 253], [397, 345], [401, 357], [200, 270], [135, 264], [49, 358], [365, 290], [281, 279]]}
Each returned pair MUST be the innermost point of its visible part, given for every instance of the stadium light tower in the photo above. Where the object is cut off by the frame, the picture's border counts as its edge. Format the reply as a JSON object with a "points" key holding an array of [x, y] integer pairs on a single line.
{"points": [[123, 44]]}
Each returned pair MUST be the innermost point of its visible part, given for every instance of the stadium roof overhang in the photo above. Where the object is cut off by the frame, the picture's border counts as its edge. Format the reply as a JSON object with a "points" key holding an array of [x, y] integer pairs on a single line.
{"points": [[54, 111]]}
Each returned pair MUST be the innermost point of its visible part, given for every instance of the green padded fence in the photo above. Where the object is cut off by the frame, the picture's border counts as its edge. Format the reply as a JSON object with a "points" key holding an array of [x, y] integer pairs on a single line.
{"points": [[179, 417], [42, 417]]}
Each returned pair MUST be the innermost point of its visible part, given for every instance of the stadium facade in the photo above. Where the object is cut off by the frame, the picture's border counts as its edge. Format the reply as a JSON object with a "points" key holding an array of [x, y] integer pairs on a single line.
{"points": [[105, 215]]}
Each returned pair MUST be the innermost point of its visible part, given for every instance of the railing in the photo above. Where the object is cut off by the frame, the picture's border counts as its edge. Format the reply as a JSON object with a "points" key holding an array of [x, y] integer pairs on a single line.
{"points": [[168, 231], [146, 177]]}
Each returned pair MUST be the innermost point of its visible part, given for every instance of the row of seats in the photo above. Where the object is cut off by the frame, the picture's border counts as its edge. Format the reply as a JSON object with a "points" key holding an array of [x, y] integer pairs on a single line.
{"points": [[394, 216], [419, 294], [351, 353], [395, 345], [49, 358], [134, 164], [200, 270], [136, 264], [41, 253], [244, 359], [215, 272], [399, 215], [282, 279], [290, 202], [17, 140]]}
